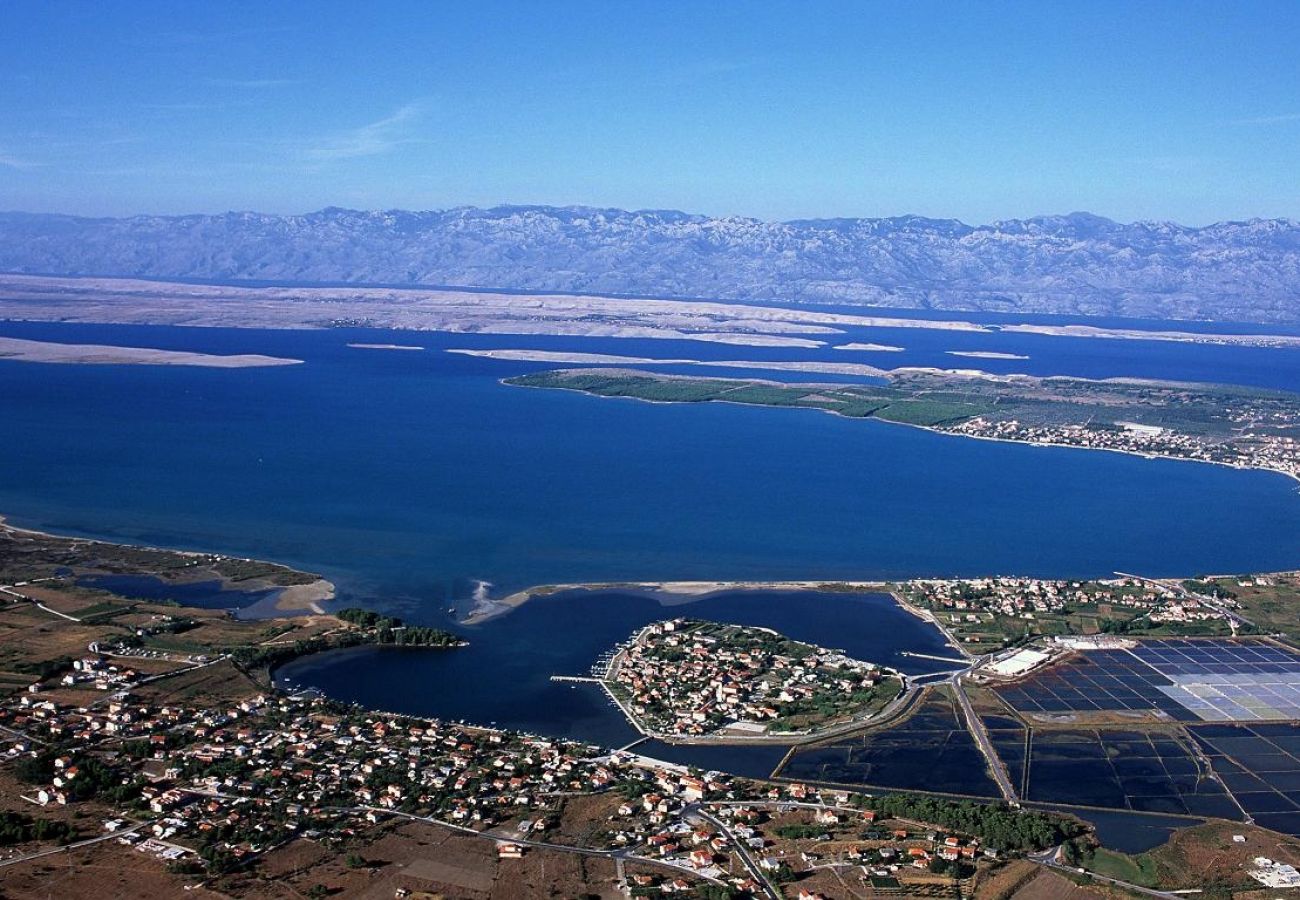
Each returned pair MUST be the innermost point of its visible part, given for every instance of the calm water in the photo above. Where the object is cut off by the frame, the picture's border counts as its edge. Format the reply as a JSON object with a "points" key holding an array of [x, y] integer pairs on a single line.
{"points": [[410, 477], [406, 476], [201, 594], [503, 676]]}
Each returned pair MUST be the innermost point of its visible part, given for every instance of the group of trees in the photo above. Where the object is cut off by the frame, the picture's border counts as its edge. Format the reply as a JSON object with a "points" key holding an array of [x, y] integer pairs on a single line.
{"points": [[391, 630], [16, 828], [996, 824], [94, 777]]}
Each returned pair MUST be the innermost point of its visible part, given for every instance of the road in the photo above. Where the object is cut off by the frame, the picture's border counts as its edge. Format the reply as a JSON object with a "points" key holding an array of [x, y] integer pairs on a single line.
{"points": [[977, 730], [79, 844], [624, 855], [1051, 860], [1235, 619], [742, 850]]}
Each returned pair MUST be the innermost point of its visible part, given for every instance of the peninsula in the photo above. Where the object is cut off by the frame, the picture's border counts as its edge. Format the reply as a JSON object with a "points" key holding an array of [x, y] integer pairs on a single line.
{"points": [[1242, 427]]}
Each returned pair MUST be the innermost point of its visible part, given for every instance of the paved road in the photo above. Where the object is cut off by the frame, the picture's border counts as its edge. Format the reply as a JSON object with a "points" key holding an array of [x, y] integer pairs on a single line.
{"points": [[1051, 860], [976, 728], [79, 844], [742, 850]]}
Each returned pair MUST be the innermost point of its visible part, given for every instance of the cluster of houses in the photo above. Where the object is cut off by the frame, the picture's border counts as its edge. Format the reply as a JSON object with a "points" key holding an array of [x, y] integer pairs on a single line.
{"points": [[244, 778], [968, 605], [1260, 451], [684, 677], [227, 783], [99, 673]]}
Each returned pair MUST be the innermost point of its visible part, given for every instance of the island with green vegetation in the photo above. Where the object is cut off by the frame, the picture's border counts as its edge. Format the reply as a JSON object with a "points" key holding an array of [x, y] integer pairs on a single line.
{"points": [[691, 679], [1236, 426]]}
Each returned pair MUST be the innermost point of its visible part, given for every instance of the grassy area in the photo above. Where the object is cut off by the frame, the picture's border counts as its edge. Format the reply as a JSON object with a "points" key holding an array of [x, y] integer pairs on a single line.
{"points": [[1272, 602], [856, 401], [1142, 869]]}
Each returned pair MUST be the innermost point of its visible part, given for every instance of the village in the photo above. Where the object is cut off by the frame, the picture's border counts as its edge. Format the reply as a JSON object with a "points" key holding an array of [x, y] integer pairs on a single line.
{"points": [[987, 614], [688, 678], [209, 791], [1277, 453]]}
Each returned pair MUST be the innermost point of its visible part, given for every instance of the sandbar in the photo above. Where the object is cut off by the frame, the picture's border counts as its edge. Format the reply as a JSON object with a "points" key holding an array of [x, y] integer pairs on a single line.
{"points": [[19, 350], [869, 348], [985, 354]]}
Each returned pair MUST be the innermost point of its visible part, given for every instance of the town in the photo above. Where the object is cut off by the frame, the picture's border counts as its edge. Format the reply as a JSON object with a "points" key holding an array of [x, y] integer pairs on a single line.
{"points": [[688, 678], [1278, 453], [208, 792]]}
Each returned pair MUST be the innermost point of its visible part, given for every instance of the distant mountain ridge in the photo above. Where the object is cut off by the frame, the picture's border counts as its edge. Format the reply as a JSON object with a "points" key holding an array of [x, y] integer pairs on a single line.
{"points": [[1077, 264]]}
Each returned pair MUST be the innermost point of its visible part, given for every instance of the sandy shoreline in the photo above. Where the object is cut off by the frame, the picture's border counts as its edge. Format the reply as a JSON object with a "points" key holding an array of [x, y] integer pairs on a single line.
{"points": [[290, 600], [303, 597], [681, 591], [870, 348], [384, 347], [985, 354]]}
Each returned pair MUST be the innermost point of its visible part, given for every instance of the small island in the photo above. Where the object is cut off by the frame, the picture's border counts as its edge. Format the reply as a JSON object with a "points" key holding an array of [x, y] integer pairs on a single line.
{"points": [[691, 679]]}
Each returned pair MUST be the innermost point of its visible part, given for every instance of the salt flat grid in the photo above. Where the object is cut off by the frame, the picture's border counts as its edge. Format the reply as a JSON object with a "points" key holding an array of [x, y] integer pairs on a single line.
{"points": [[1228, 682], [1260, 765], [1190, 680], [1100, 680], [1124, 769]]}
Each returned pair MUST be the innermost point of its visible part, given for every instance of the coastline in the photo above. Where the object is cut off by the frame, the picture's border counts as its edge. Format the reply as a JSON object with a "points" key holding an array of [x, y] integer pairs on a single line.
{"points": [[289, 600], [1294, 476]]}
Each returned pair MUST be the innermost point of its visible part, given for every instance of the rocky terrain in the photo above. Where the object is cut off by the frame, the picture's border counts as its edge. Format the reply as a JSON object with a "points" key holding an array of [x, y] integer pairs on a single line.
{"points": [[1077, 264]]}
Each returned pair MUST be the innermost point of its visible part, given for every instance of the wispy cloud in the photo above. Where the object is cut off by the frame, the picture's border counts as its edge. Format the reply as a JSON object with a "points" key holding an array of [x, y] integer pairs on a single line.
{"points": [[376, 138], [252, 84], [9, 161], [1270, 120]]}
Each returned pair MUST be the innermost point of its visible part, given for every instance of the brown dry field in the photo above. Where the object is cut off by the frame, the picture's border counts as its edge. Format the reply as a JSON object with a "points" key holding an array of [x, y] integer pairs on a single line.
{"points": [[213, 685], [102, 871], [1206, 856], [1001, 883], [426, 858], [582, 817], [1054, 886], [86, 817]]}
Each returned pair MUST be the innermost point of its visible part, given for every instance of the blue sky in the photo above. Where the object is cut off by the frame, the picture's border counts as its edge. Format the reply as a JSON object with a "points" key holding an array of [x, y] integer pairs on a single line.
{"points": [[1180, 110]]}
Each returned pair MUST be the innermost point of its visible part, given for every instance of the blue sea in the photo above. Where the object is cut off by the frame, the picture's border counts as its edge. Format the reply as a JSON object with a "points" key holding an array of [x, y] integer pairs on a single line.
{"points": [[409, 478]]}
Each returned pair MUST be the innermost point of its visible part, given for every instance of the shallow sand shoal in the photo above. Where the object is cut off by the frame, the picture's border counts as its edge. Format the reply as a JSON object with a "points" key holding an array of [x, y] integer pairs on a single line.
{"points": [[305, 596], [19, 350], [487, 609]]}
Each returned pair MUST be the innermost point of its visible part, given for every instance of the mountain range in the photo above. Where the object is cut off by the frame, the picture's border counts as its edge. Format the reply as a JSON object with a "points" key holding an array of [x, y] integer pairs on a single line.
{"points": [[1077, 264]]}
